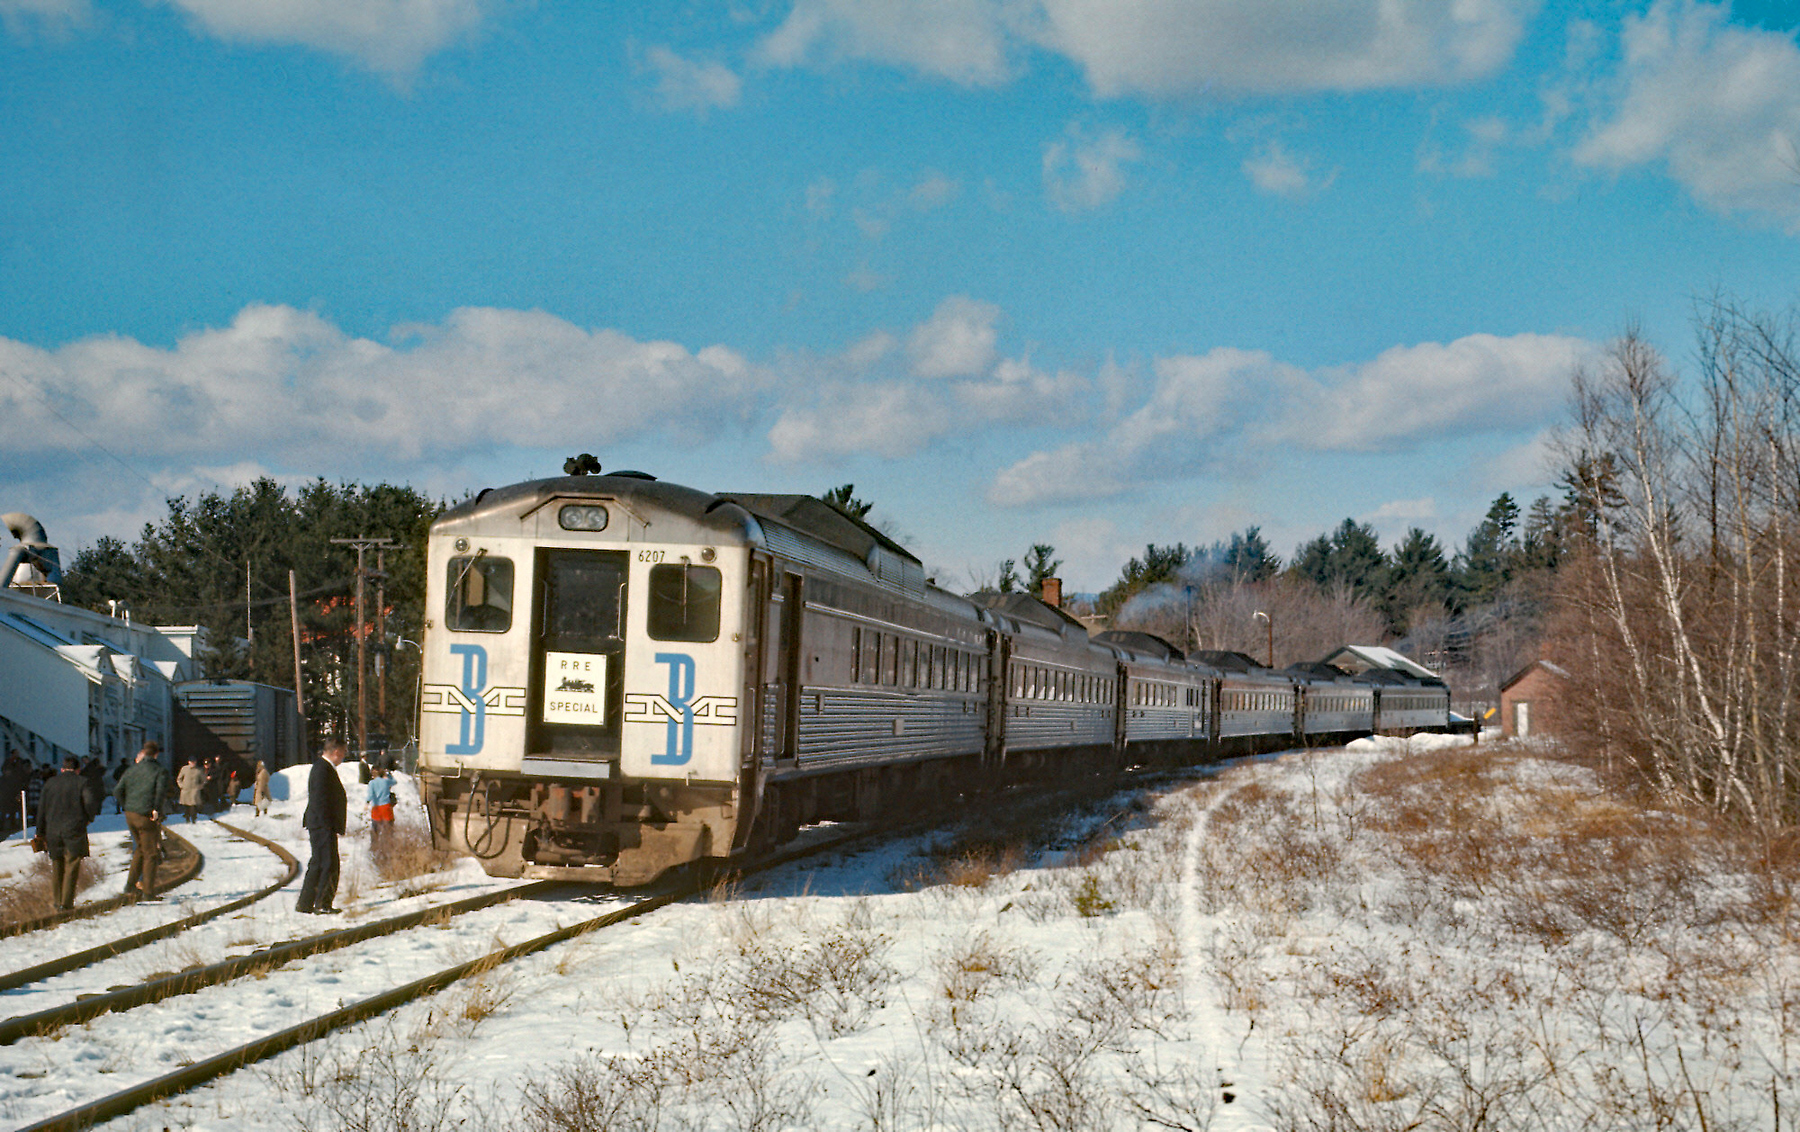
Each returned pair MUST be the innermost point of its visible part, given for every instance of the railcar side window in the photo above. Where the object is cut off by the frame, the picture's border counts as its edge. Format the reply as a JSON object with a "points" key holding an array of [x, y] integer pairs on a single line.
{"points": [[684, 602], [479, 598]]}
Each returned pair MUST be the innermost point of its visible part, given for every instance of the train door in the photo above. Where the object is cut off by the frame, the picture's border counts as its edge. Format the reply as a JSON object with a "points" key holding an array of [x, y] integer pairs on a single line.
{"points": [[1121, 709], [793, 614], [999, 662], [578, 655], [755, 738]]}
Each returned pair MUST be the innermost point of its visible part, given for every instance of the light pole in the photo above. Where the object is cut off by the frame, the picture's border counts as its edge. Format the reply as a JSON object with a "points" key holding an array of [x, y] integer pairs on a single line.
{"points": [[412, 722], [1271, 621]]}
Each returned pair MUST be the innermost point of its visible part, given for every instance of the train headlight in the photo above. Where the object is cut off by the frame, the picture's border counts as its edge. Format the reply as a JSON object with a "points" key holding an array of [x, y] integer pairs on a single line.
{"points": [[582, 517]]}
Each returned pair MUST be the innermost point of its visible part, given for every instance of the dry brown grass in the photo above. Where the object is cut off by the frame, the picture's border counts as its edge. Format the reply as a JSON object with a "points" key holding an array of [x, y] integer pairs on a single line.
{"points": [[409, 858], [25, 895]]}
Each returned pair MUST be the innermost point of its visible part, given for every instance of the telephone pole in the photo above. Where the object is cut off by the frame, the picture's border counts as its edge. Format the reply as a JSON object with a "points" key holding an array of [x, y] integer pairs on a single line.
{"points": [[362, 642]]}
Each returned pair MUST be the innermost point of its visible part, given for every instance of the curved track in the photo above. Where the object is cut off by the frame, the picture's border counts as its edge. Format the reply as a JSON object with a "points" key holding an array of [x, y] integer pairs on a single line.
{"points": [[176, 869], [208, 1068], [80, 959], [187, 1077]]}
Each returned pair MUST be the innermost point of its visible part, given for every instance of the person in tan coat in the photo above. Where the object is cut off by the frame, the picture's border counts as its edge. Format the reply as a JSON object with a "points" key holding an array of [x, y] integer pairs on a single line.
{"points": [[191, 781], [260, 799]]}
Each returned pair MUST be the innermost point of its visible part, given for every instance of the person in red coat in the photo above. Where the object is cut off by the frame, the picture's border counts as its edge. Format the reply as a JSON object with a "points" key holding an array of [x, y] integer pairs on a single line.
{"points": [[324, 821]]}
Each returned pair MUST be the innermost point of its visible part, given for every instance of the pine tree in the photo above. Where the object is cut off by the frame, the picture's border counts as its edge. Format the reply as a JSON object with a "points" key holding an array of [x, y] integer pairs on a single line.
{"points": [[843, 498]]}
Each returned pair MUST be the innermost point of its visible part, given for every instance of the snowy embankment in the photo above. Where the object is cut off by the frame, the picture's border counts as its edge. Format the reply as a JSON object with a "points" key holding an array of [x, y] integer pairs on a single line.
{"points": [[1389, 936]]}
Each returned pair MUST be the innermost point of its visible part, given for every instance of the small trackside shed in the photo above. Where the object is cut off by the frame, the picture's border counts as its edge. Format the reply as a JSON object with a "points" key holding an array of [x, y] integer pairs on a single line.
{"points": [[1527, 700]]}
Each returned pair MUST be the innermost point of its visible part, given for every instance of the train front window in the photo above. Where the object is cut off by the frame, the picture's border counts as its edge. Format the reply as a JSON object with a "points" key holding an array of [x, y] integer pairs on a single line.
{"points": [[479, 597], [684, 603]]}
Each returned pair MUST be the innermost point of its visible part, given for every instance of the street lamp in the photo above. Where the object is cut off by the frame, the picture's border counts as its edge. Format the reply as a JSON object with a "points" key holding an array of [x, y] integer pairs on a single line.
{"points": [[412, 722], [1271, 621]]}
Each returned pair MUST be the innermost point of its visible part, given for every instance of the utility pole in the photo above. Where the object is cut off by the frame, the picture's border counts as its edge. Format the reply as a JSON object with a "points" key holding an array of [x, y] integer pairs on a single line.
{"points": [[362, 642], [294, 620], [381, 640]]}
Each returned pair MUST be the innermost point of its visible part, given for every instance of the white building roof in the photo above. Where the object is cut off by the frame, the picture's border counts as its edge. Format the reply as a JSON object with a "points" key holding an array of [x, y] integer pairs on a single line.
{"points": [[1376, 656]]}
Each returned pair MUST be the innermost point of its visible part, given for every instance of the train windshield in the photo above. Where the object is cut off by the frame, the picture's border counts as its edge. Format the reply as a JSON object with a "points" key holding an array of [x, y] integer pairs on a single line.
{"points": [[684, 603], [480, 594]]}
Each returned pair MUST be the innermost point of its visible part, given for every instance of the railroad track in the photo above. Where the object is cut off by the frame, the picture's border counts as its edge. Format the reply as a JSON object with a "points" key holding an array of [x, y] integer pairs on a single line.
{"points": [[209, 1068], [74, 962], [206, 1069], [176, 869]]}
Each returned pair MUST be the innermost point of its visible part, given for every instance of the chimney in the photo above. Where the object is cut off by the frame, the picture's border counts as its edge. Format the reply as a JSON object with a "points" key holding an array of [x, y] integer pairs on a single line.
{"points": [[1052, 595]]}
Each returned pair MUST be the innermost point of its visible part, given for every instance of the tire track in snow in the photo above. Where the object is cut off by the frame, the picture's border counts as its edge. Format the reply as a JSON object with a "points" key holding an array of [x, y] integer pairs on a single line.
{"points": [[1209, 1022]]}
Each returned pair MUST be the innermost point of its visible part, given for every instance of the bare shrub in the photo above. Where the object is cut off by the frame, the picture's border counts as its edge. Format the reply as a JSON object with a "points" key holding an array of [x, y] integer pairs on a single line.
{"points": [[25, 895], [596, 1093], [897, 1093], [1180, 1097], [834, 978], [390, 1083], [977, 965]]}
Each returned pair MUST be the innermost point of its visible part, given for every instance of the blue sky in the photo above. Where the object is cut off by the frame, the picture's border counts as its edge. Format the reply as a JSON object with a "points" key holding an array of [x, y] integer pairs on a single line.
{"points": [[1093, 272]]}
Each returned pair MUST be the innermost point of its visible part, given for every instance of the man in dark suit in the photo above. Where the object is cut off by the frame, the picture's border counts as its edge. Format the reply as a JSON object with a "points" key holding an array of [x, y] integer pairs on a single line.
{"points": [[324, 822], [68, 803]]}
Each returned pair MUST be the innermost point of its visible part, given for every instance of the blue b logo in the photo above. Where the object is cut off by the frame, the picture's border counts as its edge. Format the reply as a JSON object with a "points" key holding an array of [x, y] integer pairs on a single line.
{"points": [[680, 747], [474, 711]]}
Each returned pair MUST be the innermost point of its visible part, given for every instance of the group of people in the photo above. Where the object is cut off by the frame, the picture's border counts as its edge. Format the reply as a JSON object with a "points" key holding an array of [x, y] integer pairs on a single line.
{"points": [[22, 784], [68, 802], [212, 785]]}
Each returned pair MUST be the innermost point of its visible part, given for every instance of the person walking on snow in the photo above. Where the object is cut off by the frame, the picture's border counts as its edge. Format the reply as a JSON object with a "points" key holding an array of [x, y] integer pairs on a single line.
{"points": [[191, 781], [381, 810], [141, 793], [324, 821], [68, 803], [260, 799]]}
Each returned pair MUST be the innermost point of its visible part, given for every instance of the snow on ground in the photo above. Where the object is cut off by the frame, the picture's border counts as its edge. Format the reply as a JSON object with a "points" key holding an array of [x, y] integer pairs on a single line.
{"points": [[1393, 935]]}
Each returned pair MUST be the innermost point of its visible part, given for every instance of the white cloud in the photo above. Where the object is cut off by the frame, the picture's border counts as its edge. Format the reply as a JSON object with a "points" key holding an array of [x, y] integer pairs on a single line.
{"points": [[880, 206], [1179, 47], [956, 341], [1219, 409], [285, 387], [1531, 465], [1084, 172], [877, 398], [865, 279], [960, 40], [687, 84], [1276, 171], [889, 418], [1168, 48], [1194, 400], [389, 36], [1409, 512], [1410, 393], [1718, 103], [50, 16]]}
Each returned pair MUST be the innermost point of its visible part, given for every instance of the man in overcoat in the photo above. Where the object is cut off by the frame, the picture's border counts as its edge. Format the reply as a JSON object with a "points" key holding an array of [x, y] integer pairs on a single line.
{"points": [[141, 793], [324, 820], [65, 807]]}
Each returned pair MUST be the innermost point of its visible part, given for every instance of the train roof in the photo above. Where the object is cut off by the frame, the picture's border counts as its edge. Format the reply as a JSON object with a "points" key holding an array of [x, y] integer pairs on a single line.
{"points": [[521, 498], [813, 516], [1146, 644], [1023, 607], [1228, 661]]}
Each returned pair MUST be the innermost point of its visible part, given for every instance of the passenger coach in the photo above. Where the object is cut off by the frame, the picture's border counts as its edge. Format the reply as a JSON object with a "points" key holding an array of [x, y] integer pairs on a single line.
{"points": [[623, 675]]}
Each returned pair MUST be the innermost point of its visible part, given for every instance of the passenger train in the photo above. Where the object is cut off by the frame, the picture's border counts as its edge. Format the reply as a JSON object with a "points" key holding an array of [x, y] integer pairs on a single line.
{"points": [[622, 676]]}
